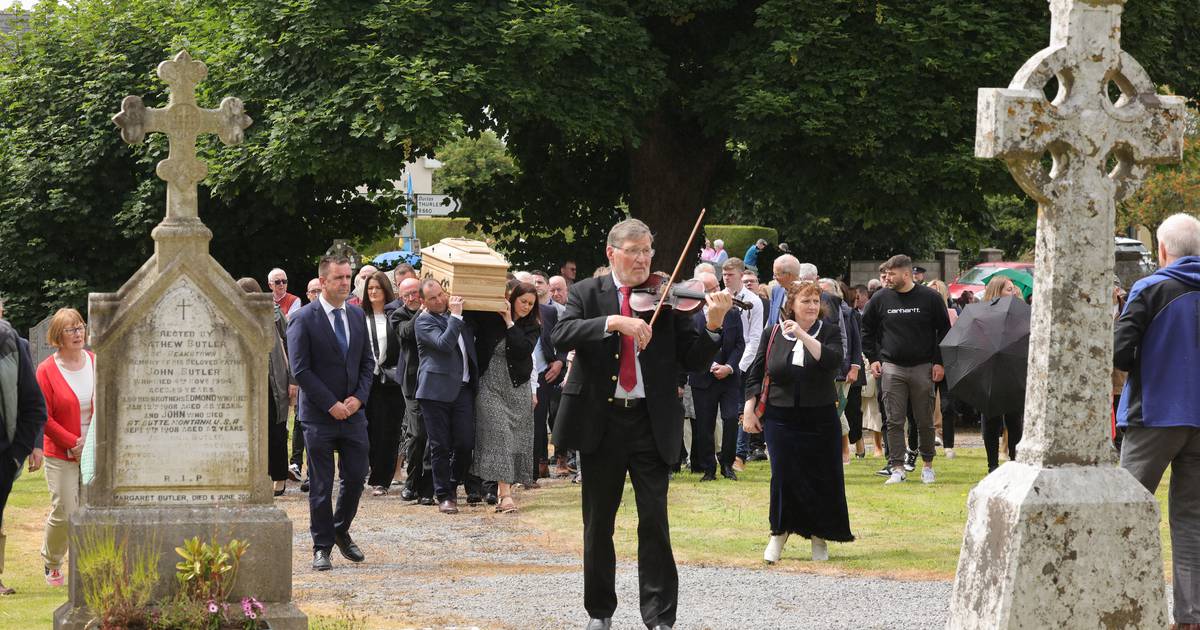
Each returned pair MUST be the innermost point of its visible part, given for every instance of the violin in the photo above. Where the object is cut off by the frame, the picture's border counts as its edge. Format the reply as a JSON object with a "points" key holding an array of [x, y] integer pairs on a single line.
{"points": [[685, 296]]}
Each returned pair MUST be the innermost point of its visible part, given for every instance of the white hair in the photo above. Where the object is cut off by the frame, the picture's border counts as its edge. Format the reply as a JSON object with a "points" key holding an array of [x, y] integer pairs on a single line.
{"points": [[718, 243], [708, 278], [788, 263], [275, 271], [628, 230], [831, 286], [873, 284], [704, 267], [523, 276], [1179, 234], [808, 271]]}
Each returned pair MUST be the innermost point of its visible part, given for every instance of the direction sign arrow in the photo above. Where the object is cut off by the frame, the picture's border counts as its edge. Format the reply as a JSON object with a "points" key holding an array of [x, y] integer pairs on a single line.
{"points": [[436, 205]]}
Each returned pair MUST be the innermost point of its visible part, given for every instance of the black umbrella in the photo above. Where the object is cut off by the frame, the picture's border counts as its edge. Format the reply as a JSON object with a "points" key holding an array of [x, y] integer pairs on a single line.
{"points": [[985, 355]]}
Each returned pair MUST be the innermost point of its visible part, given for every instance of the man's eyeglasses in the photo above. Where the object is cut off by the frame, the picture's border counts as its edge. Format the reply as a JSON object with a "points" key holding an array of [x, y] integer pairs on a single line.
{"points": [[638, 253], [313, 291], [279, 283]]}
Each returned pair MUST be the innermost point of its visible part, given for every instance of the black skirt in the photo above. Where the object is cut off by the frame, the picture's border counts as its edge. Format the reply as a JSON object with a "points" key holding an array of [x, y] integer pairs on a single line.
{"points": [[808, 487]]}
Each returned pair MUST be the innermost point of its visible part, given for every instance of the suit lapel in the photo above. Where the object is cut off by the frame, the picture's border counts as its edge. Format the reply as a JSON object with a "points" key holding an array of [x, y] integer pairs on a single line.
{"points": [[609, 303], [326, 330]]}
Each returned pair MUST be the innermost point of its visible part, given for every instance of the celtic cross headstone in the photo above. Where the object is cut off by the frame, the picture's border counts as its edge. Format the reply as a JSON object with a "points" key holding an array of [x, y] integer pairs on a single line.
{"points": [[1062, 538]]}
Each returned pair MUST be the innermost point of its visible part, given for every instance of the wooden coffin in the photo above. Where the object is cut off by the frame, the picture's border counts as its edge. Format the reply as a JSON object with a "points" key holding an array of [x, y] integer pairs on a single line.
{"points": [[470, 269]]}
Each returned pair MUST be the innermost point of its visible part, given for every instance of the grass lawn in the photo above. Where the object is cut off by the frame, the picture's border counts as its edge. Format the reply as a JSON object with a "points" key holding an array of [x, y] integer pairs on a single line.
{"points": [[911, 531]]}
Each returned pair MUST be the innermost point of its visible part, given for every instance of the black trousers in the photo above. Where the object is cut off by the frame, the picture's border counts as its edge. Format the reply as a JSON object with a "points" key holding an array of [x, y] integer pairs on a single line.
{"points": [[385, 416], [722, 397], [854, 413], [993, 428], [349, 441], [416, 453], [451, 429], [628, 447], [949, 414], [297, 442], [543, 418], [8, 474], [277, 450]]}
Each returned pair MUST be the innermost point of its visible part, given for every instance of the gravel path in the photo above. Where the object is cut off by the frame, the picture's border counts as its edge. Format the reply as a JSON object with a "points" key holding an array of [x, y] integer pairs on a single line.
{"points": [[480, 569]]}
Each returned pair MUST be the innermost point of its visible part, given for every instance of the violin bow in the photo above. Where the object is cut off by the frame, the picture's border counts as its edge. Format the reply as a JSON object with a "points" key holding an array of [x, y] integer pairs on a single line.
{"points": [[682, 256]]}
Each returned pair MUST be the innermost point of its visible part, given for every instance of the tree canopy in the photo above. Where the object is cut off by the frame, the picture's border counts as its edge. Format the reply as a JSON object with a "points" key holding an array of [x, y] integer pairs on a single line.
{"points": [[846, 124]]}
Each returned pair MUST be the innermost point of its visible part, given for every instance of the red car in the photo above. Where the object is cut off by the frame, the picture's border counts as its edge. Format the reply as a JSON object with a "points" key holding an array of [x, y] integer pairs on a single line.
{"points": [[974, 282]]}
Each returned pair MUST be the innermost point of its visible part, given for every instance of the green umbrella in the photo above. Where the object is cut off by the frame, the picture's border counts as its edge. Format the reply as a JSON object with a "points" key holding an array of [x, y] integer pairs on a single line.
{"points": [[1023, 280]]}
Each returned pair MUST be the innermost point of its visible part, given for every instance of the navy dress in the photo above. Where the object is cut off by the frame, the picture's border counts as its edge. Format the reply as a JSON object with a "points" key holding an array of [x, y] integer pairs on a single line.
{"points": [[804, 436]]}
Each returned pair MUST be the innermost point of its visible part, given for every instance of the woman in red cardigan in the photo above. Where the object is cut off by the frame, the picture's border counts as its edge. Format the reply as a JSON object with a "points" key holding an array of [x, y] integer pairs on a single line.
{"points": [[67, 379]]}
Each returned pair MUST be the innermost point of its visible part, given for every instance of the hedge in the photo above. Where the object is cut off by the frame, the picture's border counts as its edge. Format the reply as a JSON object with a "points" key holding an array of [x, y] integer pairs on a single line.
{"points": [[739, 238]]}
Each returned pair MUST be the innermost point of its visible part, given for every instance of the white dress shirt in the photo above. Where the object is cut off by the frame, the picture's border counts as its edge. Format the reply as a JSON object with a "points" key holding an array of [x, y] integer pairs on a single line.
{"points": [[752, 326], [462, 346]]}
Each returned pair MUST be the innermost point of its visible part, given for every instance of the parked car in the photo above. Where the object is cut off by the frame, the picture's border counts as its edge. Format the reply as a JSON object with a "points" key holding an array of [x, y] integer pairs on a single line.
{"points": [[1133, 261], [975, 279]]}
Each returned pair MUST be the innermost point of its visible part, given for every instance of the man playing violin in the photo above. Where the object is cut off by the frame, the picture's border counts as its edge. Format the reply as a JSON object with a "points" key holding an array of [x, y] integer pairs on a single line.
{"points": [[621, 411]]}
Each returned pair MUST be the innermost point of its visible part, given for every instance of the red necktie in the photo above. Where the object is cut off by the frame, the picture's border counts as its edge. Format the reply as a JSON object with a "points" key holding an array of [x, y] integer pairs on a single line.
{"points": [[628, 373]]}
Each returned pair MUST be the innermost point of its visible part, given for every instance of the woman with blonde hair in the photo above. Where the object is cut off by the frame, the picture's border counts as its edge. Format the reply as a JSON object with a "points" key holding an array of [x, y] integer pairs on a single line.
{"points": [[68, 382]]}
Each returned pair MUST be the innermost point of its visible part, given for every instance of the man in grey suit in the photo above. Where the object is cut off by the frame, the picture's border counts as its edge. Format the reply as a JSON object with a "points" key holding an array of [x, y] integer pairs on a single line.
{"points": [[447, 376]]}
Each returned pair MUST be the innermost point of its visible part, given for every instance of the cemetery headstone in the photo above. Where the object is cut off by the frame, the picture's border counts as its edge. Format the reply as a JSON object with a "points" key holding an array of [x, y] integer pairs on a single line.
{"points": [[39, 347], [181, 391], [1062, 538]]}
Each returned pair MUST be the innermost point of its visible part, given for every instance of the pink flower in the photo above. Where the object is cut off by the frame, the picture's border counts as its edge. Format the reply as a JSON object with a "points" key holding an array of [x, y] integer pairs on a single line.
{"points": [[253, 616], [212, 607]]}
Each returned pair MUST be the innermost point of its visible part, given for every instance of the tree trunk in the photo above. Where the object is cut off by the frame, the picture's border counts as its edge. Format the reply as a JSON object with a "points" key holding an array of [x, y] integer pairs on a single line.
{"points": [[671, 179]]}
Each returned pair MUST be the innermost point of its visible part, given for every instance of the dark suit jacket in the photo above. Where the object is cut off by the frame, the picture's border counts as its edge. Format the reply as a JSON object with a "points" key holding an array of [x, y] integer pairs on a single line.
{"points": [[403, 322], [440, 372], [733, 344], [30, 406], [326, 377], [391, 358], [676, 346], [795, 386], [549, 321]]}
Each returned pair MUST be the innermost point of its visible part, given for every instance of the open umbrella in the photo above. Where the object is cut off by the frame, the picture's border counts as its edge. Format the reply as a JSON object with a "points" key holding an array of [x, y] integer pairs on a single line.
{"points": [[985, 356], [1022, 279], [390, 259]]}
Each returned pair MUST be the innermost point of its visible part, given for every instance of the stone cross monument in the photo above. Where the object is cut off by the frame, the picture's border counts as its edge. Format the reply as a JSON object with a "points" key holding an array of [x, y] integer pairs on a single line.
{"points": [[181, 385], [1062, 538]]}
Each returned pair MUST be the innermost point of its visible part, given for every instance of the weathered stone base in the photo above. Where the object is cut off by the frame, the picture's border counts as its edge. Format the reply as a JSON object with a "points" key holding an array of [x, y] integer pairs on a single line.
{"points": [[1068, 547], [265, 572]]}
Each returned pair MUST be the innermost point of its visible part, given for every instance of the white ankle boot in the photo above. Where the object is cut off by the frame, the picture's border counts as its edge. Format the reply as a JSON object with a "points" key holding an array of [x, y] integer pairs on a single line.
{"points": [[820, 550], [774, 548]]}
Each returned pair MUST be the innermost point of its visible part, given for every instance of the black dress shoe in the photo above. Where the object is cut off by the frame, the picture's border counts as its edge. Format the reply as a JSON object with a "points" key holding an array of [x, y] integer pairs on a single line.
{"points": [[408, 494], [599, 624], [349, 550], [426, 501], [709, 476], [661, 626], [449, 506], [729, 474], [304, 486], [490, 498], [321, 560], [474, 499]]}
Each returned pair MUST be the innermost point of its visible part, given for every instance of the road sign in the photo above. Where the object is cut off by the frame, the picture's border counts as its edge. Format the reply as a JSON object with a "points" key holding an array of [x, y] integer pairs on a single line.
{"points": [[436, 205]]}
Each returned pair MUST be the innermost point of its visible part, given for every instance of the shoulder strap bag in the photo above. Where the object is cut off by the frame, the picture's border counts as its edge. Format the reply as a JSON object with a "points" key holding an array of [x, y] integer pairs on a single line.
{"points": [[761, 406]]}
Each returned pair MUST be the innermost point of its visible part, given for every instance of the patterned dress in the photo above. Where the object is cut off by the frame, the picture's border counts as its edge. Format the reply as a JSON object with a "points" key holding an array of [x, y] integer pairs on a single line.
{"points": [[503, 425]]}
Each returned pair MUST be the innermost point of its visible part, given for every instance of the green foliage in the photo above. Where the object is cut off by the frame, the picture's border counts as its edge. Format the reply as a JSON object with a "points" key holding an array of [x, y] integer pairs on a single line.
{"points": [[208, 570], [480, 161], [116, 582], [739, 238]]}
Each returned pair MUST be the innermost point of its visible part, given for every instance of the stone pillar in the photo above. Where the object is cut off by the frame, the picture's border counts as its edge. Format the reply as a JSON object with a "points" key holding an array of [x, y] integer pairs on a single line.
{"points": [[1062, 538], [949, 260], [991, 254]]}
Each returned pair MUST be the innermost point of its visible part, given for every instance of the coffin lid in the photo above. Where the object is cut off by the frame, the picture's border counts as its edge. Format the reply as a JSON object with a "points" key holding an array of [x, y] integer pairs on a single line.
{"points": [[465, 251]]}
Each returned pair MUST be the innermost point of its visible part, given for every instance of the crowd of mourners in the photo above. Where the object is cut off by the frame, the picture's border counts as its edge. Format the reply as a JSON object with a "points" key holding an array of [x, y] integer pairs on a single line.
{"points": [[811, 373]]}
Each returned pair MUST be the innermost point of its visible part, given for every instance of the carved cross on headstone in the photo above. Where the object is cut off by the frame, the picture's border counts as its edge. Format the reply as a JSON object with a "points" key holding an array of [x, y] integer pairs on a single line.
{"points": [[182, 120], [1101, 151]]}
